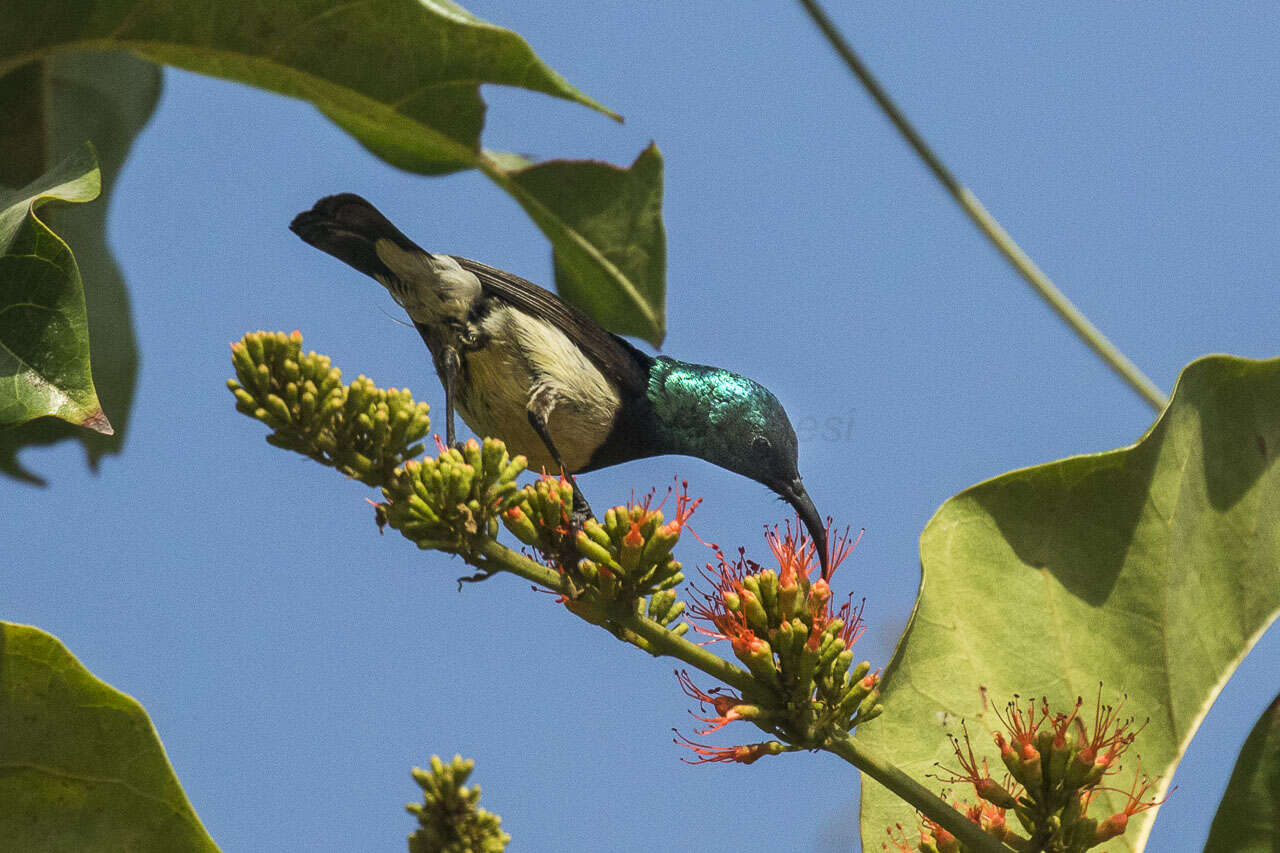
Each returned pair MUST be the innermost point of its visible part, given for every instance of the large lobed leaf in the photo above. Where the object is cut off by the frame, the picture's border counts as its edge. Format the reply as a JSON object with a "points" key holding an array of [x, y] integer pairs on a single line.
{"points": [[44, 335], [81, 767], [58, 104], [1248, 820], [1152, 569]]}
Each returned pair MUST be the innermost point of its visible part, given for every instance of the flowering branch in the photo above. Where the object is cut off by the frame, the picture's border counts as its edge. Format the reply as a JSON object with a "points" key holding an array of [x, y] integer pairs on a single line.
{"points": [[798, 680], [450, 819], [920, 797], [494, 557]]}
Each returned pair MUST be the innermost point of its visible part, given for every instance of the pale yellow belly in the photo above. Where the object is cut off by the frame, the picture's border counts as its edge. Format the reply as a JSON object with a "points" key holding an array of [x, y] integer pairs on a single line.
{"points": [[500, 382]]}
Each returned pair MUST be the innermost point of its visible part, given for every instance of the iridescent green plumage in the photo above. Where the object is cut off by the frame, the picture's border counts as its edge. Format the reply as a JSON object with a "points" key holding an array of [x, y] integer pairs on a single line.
{"points": [[720, 416]]}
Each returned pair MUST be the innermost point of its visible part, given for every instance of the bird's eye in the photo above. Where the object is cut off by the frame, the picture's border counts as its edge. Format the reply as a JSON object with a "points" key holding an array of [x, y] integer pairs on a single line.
{"points": [[761, 444]]}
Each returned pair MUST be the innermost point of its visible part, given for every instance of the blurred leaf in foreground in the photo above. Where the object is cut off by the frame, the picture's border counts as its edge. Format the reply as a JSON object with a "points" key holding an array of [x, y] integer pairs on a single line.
{"points": [[81, 767], [44, 336], [59, 103], [417, 107]]}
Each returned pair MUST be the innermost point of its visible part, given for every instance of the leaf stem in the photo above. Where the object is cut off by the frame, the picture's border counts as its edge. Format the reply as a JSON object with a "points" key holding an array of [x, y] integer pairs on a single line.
{"points": [[557, 231], [664, 642], [987, 224], [915, 794]]}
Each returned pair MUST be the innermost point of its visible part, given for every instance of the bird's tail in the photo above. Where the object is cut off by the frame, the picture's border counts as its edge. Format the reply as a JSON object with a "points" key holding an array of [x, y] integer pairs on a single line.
{"points": [[349, 228]]}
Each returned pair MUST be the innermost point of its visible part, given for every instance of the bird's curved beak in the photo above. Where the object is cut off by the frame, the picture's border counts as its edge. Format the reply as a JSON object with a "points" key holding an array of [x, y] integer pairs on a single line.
{"points": [[794, 493]]}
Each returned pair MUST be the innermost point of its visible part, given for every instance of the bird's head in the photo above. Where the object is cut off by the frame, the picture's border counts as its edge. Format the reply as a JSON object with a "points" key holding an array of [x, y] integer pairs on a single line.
{"points": [[738, 424]]}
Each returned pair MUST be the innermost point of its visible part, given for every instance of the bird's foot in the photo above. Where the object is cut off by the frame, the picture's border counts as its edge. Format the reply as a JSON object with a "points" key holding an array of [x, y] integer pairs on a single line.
{"points": [[479, 576], [581, 510]]}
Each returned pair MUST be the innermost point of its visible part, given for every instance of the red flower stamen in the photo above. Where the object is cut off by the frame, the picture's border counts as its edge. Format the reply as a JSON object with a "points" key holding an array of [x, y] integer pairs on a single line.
{"points": [[725, 703], [1022, 733], [726, 580], [1060, 722], [899, 840], [745, 754], [979, 776], [794, 553], [1118, 822], [1111, 736]]}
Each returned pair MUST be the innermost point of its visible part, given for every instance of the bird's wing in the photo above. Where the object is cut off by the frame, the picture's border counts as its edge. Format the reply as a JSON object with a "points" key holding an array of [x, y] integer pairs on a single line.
{"points": [[619, 360]]}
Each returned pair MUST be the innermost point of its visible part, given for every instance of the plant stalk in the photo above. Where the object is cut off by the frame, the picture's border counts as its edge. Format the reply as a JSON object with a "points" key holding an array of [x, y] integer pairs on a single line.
{"points": [[987, 224], [498, 557], [915, 794], [492, 556]]}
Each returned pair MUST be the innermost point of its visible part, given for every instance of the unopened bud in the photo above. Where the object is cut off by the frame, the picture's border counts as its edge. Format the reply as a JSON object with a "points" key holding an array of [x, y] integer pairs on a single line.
{"points": [[993, 792], [520, 526], [1110, 828]]}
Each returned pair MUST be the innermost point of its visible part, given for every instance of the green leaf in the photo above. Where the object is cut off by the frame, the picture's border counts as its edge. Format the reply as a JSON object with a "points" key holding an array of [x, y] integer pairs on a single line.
{"points": [[61, 102], [1248, 820], [403, 77], [81, 767], [44, 336], [605, 227], [1152, 569]]}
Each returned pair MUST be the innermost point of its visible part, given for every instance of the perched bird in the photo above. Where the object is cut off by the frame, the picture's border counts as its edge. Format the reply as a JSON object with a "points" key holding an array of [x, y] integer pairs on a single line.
{"points": [[521, 365]]}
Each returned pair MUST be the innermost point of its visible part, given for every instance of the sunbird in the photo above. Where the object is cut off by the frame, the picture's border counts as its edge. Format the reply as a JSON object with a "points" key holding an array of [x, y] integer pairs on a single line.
{"points": [[522, 365]]}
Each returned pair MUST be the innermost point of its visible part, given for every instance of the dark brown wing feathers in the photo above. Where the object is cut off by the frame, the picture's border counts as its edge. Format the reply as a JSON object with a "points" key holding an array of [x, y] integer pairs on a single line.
{"points": [[619, 360]]}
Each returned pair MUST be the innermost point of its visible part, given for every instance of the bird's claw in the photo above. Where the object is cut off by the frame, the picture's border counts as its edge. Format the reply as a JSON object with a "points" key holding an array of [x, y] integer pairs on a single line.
{"points": [[482, 575], [581, 510]]}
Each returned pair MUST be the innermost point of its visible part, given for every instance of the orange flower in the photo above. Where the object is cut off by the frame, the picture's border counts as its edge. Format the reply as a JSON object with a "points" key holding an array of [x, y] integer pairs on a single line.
{"points": [[745, 754], [729, 707], [1118, 822]]}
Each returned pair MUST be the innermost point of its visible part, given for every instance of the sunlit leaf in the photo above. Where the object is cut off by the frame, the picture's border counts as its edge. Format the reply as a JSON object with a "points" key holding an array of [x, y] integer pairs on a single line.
{"points": [[81, 767], [1151, 570]]}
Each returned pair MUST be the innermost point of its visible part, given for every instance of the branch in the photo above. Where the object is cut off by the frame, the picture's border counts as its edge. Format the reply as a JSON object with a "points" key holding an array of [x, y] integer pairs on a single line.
{"points": [[497, 557], [917, 795], [987, 224]]}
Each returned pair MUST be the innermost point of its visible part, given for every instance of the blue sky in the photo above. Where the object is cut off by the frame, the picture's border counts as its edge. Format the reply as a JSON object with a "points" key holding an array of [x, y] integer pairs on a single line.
{"points": [[297, 664]]}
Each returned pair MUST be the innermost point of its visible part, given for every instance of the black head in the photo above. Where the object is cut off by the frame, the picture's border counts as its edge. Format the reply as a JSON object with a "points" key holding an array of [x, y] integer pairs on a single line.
{"points": [[736, 423], [349, 228], [774, 462]]}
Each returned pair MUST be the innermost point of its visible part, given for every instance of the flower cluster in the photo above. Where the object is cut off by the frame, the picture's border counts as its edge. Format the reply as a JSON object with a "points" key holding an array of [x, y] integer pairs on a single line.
{"points": [[540, 518], [796, 643], [449, 819], [453, 501], [360, 429], [1055, 763], [623, 563]]}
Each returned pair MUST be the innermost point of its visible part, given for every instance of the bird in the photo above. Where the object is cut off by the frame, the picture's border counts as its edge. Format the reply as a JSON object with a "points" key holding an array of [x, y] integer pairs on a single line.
{"points": [[521, 364]]}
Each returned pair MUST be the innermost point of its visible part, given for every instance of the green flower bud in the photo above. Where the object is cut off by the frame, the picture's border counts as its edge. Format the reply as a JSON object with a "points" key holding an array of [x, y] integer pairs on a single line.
{"points": [[588, 548], [756, 616], [769, 594]]}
